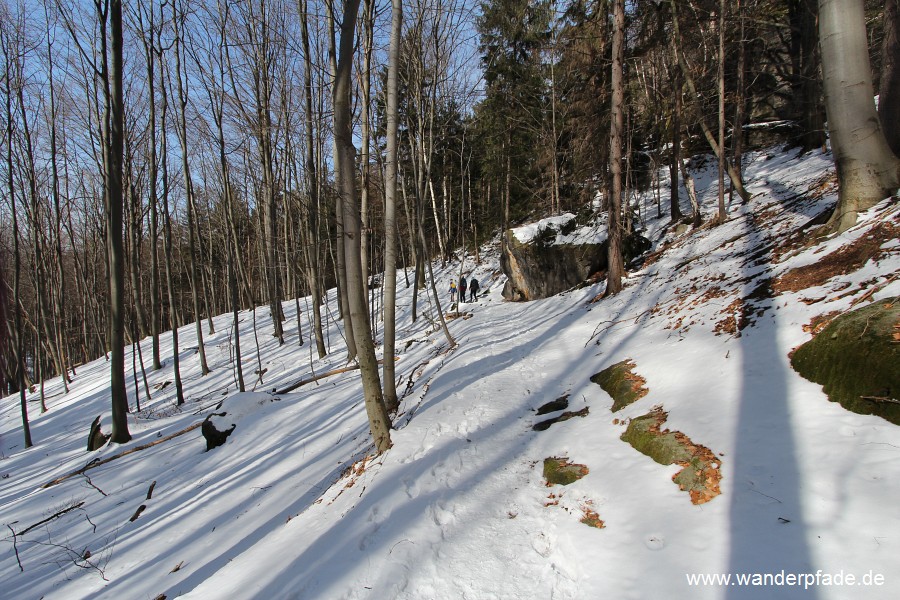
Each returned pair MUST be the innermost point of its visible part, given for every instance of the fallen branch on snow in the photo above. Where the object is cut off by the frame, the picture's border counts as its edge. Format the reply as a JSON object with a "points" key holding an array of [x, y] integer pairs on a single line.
{"points": [[97, 463], [303, 382]]}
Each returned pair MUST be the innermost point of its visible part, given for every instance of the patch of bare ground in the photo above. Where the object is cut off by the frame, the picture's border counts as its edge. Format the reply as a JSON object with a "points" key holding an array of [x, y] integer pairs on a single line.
{"points": [[590, 517], [818, 323], [845, 260]]}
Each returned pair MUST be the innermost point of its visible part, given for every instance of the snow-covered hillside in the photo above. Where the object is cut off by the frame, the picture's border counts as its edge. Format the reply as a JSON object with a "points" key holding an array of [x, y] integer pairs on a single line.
{"points": [[294, 506]]}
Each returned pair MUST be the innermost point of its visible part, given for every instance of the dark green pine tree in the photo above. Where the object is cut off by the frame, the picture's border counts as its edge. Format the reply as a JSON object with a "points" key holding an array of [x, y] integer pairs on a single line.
{"points": [[514, 34]]}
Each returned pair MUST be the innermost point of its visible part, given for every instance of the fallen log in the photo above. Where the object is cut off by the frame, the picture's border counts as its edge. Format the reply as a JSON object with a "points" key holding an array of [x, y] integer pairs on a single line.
{"points": [[97, 463], [303, 382]]}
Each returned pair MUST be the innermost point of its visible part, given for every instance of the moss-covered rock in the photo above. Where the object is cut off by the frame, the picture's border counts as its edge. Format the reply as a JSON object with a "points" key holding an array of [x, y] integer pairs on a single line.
{"points": [[700, 475], [559, 471], [646, 436], [856, 359], [621, 383]]}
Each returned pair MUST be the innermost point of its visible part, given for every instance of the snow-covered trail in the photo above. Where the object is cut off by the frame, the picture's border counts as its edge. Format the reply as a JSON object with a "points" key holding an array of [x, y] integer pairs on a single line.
{"points": [[292, 507]]}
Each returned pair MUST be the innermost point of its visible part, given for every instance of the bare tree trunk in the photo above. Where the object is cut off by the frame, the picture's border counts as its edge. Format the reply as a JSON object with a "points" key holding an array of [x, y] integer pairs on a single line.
{"points": [[720, 81], [740, 96], [390, 209], [167, 234], [150, 62], [181, 130], [707, 132], [365, 103], [312, 188], [675, 159], [866, 167], [17, 269], [340, 258], [379, 421], [616, 266], [113, 155], [696, 218], [59, 298]]}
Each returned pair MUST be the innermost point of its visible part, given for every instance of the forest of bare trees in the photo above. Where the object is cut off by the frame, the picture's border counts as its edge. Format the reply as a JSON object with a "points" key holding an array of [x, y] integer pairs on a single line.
{"points": [[167, 161]]}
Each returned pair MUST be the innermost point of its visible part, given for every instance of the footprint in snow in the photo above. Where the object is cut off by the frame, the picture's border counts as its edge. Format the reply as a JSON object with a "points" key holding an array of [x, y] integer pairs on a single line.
{"points": [[655, 541]]}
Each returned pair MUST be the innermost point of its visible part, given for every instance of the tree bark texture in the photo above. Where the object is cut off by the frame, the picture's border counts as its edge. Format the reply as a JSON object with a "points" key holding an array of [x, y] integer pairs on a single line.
{"points": [[866, 167], [616, 268], [379, 421]]}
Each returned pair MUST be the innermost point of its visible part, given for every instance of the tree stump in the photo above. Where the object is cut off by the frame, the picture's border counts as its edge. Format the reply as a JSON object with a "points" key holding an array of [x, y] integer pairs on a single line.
{"points": [[96, 438], [214, 437]]}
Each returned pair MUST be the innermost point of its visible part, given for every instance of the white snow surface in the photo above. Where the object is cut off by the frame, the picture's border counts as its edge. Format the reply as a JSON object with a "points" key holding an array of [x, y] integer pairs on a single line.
{"points": [[593, 233], [295, 505]]}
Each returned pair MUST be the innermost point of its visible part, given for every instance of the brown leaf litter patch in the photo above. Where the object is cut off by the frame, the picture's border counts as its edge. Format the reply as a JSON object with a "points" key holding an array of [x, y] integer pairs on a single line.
{"points": [[819, 322], [590, 517], [846, 259], [700, 475]]}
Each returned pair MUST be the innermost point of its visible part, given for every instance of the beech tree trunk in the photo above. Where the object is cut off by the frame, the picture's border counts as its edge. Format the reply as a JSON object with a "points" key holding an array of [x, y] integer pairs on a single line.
{"points": [[345, 152], [181, 129], [113, 157], [390, 209], [17, 269], [312, 183], [866, 167]]}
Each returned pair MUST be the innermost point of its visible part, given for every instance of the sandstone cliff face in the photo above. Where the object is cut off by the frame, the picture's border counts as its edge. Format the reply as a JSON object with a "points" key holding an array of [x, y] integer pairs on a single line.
{"points": [[541, 267]]}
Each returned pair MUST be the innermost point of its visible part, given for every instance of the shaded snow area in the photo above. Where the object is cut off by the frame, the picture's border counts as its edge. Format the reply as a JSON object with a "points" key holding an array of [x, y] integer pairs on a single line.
{"points": [[294, 505]]}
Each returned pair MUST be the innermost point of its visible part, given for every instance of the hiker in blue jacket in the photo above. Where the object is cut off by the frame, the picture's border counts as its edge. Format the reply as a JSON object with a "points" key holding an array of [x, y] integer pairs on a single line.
{"points": [[462, 289]]}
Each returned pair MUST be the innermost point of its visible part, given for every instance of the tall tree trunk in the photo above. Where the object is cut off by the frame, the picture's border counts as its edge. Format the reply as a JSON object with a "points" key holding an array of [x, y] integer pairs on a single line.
{"points": [[181, 130], [741, 94], [340, 255], [312, 187], [59, 298], [675, 159], [616, 266], [707, 132], [153, 173], [365, 103], [721, 87], [167, 235], [866, 167], [17, 269], [390, 209], [113, 156], [379, 421]]}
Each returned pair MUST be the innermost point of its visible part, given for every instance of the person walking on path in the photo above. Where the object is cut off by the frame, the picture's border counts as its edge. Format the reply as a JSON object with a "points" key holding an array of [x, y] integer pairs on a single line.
{"points": [[473, 286], [462, 289], [452, 291]]}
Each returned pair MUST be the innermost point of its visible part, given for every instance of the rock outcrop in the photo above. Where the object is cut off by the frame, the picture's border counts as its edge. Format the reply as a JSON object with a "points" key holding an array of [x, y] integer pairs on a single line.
{"points": [[856, 359], [543, 267]]}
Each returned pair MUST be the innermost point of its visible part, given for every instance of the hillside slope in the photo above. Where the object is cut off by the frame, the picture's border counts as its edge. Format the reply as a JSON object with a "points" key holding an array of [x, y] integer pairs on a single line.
{"points": [[292, 506]]}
